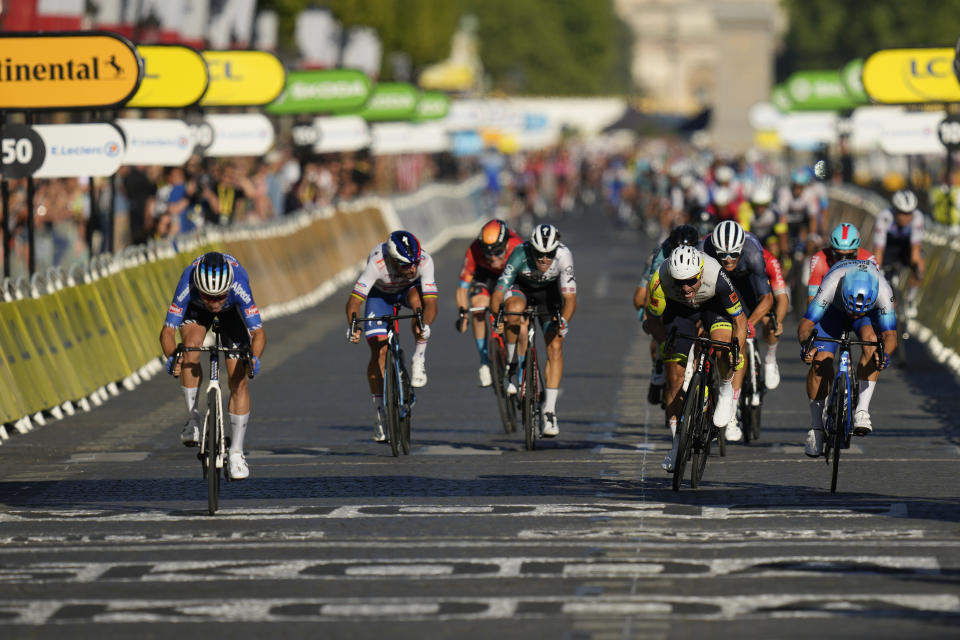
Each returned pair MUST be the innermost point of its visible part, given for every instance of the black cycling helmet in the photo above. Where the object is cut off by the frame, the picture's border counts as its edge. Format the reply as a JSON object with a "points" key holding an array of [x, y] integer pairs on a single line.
{"points": [[684, 234]]}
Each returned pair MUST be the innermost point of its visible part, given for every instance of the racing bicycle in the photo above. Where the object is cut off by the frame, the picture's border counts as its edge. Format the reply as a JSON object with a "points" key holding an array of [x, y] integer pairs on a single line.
{"points": [[213, 443], [842, 400], [398, 396], [499, 368]]}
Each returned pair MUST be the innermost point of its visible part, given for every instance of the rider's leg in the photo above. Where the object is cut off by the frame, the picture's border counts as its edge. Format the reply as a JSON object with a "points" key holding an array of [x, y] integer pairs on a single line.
{"points": [[516, 330], [728, 394], [191, 374], [553, 370], [480, 299], [867, 375], [239, 405]]}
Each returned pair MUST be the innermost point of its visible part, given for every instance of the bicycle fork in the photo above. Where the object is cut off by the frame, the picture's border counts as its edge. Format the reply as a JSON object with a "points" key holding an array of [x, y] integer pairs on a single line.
{"points": [[216, 458]]}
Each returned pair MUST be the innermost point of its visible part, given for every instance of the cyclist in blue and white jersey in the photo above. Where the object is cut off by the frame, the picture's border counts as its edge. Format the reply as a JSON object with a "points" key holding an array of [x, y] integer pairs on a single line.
{"points": [[854, 295], [539, 273], [898, 240], [215, 285], [398, 271]]}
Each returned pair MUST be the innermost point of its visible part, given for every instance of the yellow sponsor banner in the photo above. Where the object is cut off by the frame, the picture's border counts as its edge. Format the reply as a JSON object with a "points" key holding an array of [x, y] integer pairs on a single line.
{"points": [[27, 363], [75, 70], [242, 78], [174, 76], [911, 76]]}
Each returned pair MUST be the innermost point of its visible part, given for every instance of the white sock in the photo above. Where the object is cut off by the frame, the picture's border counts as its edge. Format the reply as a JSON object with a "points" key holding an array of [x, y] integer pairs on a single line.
{"points": [[190, 395], [771, 352], [511, 350], [866, 393], [420, 351], [673, 427], [377, 400], [816, 413], [238, 429], [550, 400]]}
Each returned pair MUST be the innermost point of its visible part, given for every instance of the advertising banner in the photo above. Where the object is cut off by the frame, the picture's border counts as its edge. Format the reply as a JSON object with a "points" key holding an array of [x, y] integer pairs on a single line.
{"points": [[852, 84], [323, 91], [22, 151], [433, 105], [242, 78], [73, 70], [166, 143], [403, 137], [817, 91], [75, 150], [173, 77], [807, 131], [239, 134], [341, 133], [867, 126], [911, 76], [912, 134], [392, 101], [780, 98]]}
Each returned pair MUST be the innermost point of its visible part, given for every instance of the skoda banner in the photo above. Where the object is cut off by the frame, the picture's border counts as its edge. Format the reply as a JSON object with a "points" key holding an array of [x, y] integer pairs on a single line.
{"points": [[173, 77], [817, 91], [852, 84], [433, 105], [392, 101], [341, 133], [330, 91], [239, 134], [75, 150], [72, 70], [242, 78], [780, 98], [910, 76], [165, 143]]}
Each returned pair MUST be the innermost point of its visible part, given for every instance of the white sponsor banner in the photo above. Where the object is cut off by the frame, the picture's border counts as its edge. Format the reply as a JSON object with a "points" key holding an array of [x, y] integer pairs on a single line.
{"points": [[166, 143], [403, 137], [912, 134], [75, 150], [808, 130], [341, 133], [239, 134], [868, 123]]}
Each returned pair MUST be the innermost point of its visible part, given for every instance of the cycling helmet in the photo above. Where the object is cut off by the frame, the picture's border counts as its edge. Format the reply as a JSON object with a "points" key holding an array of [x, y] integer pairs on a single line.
{"points": [[213, 274], [404, 247], [845, 237], [761, 195], [703, 221], [728, 237], [724, 174], [545, 238], [904, 200], [859, 289], [685, 263], [685, 234], [800, 176], [494, 235], [722, 196]]}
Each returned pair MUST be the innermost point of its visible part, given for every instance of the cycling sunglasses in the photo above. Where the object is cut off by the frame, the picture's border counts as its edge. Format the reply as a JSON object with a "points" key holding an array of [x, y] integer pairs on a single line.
{"points": [[549, 255], [494, 252], [844, 255], [219, 298], [730, 255], [689, 282]]}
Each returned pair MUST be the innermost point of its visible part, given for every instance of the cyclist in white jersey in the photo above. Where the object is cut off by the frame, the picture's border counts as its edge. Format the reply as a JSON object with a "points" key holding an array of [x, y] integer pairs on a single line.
{"points": [[898, 240]]}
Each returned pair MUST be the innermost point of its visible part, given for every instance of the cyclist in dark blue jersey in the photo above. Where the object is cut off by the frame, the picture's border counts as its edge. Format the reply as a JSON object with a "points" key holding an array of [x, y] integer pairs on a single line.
{"points": [[215, 286]]}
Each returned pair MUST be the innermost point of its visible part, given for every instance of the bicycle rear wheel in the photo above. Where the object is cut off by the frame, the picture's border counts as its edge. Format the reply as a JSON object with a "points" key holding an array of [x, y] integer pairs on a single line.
{"points": [[530, 399], [685, 430], [498, 369], [838, 436], [213, 452], [391, 401]]}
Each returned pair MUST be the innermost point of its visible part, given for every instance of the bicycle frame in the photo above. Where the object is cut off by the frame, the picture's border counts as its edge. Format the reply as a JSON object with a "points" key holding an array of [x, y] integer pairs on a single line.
{"points": [[531, 382], [496, 350]]}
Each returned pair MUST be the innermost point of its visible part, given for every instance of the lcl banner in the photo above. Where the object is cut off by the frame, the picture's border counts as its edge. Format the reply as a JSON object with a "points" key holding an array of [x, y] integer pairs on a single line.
{"points": [[239, 134], [322, 91], [242, 78], [71, 70], [165, 143], [911, 76], [173, 77], [74, 150]]}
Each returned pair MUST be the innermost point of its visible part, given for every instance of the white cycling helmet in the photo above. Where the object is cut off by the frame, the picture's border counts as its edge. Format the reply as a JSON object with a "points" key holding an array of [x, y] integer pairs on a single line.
{"points": [[545, 238], [724, 174], [722, 196], [904, 200], [728, 237], [685, 263]]}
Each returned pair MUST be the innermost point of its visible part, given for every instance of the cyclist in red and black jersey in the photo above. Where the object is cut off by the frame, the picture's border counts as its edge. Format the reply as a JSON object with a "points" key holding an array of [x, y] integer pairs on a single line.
{"points": [[484, 262]]}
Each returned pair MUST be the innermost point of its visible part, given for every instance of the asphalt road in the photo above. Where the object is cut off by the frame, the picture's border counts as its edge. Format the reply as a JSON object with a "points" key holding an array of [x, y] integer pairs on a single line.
{"points": [[104, 531]]}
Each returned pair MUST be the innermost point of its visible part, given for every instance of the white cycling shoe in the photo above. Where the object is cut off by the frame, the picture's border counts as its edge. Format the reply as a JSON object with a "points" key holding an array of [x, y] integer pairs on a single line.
{"points": [[861, 423], [237, 467], [379, 435], [733, 432], [190, 436], [485, 378], [813, 446], [550, 428], [726, 409], [418, 373], [668, 461], [771, 375]]}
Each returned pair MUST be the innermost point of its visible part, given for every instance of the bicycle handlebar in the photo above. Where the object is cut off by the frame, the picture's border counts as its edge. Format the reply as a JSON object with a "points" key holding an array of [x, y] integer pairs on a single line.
{"points": [[843, 342], [733, 345], [354, 320], [244, 352]]}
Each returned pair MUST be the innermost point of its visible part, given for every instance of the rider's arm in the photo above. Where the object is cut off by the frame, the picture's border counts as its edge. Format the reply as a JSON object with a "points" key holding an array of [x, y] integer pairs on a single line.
{"points": [[569, 306], [174, 318], [463, 296], [168, 340], [507, 278], [428, 288], [258, 341], [804, 330], [640, 296]]}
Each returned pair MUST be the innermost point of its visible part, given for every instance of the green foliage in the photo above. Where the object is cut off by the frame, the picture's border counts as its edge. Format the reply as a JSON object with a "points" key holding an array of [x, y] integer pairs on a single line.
{"points": [[826, 34], [542, 47]]}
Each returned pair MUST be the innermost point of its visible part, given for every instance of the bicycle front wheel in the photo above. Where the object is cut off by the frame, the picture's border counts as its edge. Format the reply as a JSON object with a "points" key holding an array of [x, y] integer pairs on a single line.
{"points": [[213, 451], [530, 399], [838, 436], [684, 430], [498, 370], [407, 413], [391, 401], [700, 440]]}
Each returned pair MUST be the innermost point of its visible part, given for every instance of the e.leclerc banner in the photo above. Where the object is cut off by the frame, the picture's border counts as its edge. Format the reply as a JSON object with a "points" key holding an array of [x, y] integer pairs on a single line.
{"points": [[174, 76], [817, 91], [323, 91], [74, 150], [391, 101], [165, 143], [911, 76], [242, 78], [433, 105], [70, 70]]}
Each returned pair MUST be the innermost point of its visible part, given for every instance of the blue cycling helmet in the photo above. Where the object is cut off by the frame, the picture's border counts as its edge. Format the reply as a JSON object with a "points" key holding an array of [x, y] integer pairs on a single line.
{"points": [[800, 176], [845, 237], [859, 290], [404, 247]]}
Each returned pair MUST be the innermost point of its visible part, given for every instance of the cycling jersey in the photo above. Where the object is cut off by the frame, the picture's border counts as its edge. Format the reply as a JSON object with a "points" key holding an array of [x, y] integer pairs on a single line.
{"points": [[380, 275], [239, 296], [830, 292], [774, 273], [477, 263], [821, 263], [521, 269], [657, 256], [750, 274], [766, 224], [798, 210], [887, 232], [715, 291]]}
